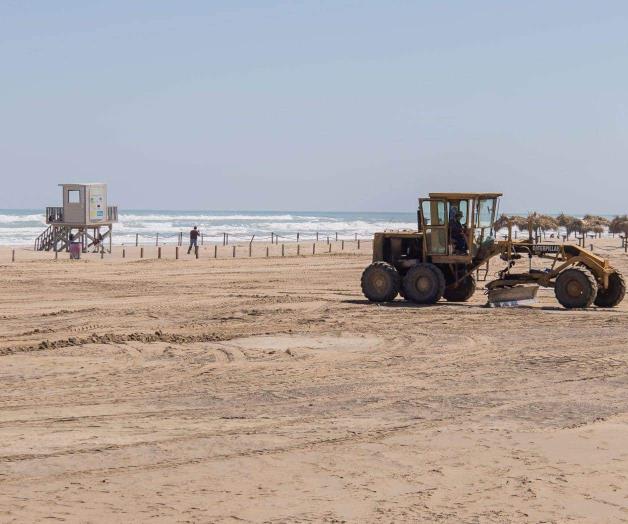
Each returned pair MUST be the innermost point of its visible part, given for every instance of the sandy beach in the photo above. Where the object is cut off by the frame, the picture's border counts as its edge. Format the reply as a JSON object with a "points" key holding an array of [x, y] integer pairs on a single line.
{"points": [[268, 390]]}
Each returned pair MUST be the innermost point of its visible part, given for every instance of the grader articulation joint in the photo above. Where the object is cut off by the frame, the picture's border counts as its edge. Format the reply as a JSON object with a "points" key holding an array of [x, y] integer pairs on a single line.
{"points": [[456, 237]]}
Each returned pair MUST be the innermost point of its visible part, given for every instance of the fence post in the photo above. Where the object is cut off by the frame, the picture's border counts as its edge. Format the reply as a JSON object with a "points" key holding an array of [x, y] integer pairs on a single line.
{"points": [[159, 252], [358, 243], [123, 252], [13, 256], [298, 235], [234, 249], [141, 252], [266, 251], [342, 244], [216, 251], [283, 252], [329, 250], [196, 251], [250, 249], [298, 249], [314, 248], [176, 253], [336, 236], [137, 239], [272, 237]]}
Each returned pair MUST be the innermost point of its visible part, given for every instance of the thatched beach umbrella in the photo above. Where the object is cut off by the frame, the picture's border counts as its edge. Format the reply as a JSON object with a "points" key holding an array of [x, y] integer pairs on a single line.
{"points": [[595, 224], [540, 223], [571, 223], [619, 225], [503, 220]]}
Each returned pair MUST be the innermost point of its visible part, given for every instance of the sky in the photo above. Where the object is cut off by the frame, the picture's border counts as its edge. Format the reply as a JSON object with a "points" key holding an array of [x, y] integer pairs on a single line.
{"points": [[315, 105]]}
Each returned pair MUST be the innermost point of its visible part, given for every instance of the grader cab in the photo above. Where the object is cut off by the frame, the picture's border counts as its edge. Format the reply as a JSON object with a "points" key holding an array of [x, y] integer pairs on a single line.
{"points": [[456, 236]]}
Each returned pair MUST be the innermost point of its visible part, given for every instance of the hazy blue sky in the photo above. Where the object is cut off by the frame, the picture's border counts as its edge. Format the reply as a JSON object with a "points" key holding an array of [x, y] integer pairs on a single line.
{"points": [[315, 105]]}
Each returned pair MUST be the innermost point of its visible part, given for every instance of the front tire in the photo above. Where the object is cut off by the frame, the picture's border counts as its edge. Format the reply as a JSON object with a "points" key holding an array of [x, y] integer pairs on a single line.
{"points": [[614, 294], [463, 292], [424, 284], [575, 288], [380, 282]]}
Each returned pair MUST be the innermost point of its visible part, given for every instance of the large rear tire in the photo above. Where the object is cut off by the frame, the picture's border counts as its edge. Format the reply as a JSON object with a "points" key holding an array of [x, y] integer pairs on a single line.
{"points": [[614, 294], [424, 284], [575, 288], [380, 282], [463, 292]]}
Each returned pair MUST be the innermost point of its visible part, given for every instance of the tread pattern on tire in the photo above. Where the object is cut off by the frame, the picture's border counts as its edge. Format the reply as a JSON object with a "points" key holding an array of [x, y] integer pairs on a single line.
{"points": [[409, 290], [391, 273], [583, 302], [616, 292], [463, 292]]}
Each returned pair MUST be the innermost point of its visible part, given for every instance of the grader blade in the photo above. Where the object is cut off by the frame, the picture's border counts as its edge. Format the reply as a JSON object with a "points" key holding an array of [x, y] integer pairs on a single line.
{"points": [[512, 296]]}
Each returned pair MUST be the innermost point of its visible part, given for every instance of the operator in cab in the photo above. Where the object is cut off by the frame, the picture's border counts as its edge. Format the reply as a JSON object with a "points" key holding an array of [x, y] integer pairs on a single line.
{"points": [[458, 234]]}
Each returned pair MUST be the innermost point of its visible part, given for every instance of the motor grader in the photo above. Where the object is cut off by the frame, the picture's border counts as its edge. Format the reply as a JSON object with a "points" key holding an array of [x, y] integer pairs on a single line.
{"points": [[456, 237]]}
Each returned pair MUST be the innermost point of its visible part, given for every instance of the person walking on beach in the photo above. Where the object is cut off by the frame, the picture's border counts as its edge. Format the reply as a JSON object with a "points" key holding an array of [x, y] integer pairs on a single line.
{"points": [[194, 233]]}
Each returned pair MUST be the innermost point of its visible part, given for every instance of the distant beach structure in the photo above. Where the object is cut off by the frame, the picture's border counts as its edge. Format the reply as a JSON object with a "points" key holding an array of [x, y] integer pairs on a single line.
{"points": [[85, 219]]}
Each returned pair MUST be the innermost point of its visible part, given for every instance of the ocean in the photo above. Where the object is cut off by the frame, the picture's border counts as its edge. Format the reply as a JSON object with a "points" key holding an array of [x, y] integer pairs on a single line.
{"points": [[21, 227]]}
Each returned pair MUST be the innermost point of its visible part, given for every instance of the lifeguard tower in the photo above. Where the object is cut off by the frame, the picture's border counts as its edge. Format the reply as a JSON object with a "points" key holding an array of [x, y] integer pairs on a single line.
{"points": [[84, 218]]}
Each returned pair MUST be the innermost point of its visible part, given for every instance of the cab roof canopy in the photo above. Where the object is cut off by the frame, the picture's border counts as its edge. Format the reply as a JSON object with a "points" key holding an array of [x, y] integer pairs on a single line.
{"points": [[464, 196]]}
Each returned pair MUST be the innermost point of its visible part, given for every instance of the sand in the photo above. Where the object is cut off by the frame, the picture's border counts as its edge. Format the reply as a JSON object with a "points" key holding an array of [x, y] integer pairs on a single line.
{"points": [[269, 390]]}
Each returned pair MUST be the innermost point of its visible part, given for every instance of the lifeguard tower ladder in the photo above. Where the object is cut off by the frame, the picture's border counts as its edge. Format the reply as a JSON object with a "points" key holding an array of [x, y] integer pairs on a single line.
{"points": [[84, 218]]}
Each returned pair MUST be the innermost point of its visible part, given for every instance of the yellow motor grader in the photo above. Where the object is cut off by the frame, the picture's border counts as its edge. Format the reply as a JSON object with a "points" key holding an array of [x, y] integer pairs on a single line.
{"points": [[456, 238]]}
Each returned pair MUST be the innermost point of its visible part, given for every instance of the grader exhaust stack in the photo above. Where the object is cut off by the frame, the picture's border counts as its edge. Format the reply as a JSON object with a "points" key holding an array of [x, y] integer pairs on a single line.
{"points": [[456, 236]]}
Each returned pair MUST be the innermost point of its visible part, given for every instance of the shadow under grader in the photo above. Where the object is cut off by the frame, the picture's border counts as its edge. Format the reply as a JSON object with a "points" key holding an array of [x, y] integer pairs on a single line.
{"points": [[409, 305], [404, 304]]}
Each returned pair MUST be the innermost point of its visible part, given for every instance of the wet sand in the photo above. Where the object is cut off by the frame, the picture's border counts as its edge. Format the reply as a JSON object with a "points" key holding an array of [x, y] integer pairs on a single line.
{"points": [[268, 389]]}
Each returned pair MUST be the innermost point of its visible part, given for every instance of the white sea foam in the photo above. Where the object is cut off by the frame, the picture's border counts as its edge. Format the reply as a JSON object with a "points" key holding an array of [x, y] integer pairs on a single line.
{"points": [[15, 218], [22, 227]]}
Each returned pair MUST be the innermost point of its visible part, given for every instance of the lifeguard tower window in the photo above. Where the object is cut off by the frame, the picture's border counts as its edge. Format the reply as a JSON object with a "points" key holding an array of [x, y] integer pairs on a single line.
{"points": [[74, 196]]}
